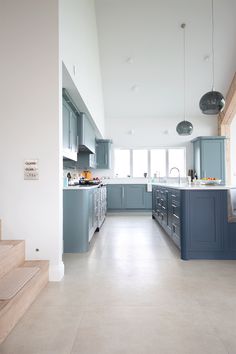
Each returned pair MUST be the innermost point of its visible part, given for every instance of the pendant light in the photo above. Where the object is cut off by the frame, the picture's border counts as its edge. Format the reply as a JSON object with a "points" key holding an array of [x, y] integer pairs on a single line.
{"points": [[184, 127], [213, 101]]}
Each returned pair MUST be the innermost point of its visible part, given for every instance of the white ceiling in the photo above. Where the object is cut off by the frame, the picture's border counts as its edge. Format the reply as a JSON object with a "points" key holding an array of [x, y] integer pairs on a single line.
{"points": [[141, 51]]}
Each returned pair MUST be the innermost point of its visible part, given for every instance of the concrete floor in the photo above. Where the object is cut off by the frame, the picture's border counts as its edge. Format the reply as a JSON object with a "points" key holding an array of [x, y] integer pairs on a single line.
{"points": [[131, 294]]}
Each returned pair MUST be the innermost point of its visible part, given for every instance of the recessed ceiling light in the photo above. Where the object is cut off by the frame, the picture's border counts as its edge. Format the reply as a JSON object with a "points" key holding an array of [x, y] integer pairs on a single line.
{"points": [[206, 57], [135, 88], [130, 60]]}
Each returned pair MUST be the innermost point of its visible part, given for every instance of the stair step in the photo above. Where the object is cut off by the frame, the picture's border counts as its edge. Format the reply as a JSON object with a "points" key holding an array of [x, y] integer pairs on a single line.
{"points": [[4, 249], [12, 310], [14, 281], [12, 255]]}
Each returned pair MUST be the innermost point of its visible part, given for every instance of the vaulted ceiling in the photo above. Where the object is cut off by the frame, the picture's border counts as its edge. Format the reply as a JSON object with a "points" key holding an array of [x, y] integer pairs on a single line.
{"points": [[141, 53]]}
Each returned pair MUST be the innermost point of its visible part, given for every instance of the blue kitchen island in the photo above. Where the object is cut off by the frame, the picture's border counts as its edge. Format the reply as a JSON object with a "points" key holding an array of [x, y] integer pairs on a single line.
{"points": [[197, 219]]}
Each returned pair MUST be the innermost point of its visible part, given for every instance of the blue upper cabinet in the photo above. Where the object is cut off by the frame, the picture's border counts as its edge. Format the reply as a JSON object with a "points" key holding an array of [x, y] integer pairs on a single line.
{"points": [[70, 134], [86, 134], [209, 156], [86, 160], [103, 153]]}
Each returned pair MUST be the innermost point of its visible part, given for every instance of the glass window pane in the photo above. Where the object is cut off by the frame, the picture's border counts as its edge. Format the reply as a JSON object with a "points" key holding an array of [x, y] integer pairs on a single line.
{"points": [[122, 162], [177, 159], [158, 162], [140, 163]]}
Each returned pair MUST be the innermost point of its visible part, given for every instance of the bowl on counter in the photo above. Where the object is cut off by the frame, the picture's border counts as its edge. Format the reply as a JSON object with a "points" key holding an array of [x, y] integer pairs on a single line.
{"points": [[210, 182]]}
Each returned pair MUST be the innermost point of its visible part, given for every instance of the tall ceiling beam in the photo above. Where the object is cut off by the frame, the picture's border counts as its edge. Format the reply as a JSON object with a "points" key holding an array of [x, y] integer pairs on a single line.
{"points": [[225, 119], [227, 116]]}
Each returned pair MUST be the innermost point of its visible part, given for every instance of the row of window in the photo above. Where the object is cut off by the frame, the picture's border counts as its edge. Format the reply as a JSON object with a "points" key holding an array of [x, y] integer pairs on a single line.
{"points": [[149, 162]]}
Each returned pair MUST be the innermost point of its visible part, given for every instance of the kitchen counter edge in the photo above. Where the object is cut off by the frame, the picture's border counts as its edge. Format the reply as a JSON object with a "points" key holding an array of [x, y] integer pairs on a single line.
{"points": [[192, 187]]}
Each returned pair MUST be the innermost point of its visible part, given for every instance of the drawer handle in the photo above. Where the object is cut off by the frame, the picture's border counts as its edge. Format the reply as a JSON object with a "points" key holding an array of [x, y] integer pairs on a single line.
{"points": [[174, 228]]}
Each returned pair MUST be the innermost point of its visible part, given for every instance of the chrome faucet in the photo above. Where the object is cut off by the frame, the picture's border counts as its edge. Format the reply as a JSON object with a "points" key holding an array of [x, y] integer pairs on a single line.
{"points": [[176, 168]]}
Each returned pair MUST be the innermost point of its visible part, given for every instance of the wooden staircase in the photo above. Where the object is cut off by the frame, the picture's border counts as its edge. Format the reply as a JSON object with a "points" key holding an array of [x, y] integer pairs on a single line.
{"points": [[21, 293]]}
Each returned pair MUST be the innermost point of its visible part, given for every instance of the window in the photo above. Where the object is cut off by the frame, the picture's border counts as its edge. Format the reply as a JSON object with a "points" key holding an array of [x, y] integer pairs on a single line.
{"points": [[177, 159], [136, 162], [158, 162], [122, 163], [140, 163]]}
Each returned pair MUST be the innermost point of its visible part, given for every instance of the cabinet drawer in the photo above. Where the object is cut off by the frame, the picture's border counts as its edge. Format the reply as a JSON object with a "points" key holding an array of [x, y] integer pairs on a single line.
{"points": [[175, 227], [175, 210], [174, 194]]}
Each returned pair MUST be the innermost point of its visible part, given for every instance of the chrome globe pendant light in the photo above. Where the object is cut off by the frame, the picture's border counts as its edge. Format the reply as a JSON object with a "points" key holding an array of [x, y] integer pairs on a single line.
{"points": [[184, 128], [212, 102]]}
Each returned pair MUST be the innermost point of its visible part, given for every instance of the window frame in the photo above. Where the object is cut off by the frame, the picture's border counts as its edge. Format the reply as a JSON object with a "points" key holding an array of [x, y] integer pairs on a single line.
{"points": [[149, 159]]}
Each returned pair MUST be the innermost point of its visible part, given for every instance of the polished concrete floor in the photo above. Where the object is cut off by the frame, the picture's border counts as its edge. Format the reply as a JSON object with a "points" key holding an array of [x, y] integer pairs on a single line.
{"points": [[131, 294]]}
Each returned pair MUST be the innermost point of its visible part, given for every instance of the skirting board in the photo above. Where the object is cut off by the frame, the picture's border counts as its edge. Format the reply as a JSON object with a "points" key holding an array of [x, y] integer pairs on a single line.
{"points": [[56, 272]]}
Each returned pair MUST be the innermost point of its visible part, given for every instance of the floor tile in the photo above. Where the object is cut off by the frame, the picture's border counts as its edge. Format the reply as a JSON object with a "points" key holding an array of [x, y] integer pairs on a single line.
{"points": [[131, 293]]}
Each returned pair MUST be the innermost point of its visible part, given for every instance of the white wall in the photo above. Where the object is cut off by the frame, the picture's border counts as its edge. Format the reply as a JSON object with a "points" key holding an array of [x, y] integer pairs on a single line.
{"points": [[80, 54], [30, 127], [233, 152], [156, 132]]}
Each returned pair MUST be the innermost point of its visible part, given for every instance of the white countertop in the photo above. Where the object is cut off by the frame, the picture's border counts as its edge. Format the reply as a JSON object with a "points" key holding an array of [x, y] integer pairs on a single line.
{"points": [[127, 180], [80, 187], [185, 186]]}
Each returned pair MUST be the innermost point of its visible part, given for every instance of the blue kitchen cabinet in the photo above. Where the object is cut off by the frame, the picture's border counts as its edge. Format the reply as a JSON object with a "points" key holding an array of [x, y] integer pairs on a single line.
{"points": [[166, 210], [79, 218], [197, 222], [128, 197], [115, 196], [134, 196], [103, 153], [209, 156], [86, 134], [86, 160], [70, 133], [203, 222], [147, 199]]}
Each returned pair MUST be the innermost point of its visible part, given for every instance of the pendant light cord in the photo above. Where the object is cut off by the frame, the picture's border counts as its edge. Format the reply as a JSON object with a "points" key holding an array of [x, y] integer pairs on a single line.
{"points": [[184, 67], [212, 44]]}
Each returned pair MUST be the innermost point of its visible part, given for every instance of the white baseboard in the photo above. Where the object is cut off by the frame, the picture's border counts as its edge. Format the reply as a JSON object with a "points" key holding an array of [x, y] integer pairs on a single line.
{"points": [[56, 272]]}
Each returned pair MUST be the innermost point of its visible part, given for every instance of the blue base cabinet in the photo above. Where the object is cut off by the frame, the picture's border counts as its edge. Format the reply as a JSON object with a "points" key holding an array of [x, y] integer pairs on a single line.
{"points": [[166, 210], [128, 197], [83, 213], [196, 221]]}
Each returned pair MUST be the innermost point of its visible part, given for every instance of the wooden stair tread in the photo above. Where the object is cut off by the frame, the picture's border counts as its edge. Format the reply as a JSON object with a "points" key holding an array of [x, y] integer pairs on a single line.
{"points": [[11, 310], [12, 256], [15, 280], [41, 264], [10, 242], [4, 249]]}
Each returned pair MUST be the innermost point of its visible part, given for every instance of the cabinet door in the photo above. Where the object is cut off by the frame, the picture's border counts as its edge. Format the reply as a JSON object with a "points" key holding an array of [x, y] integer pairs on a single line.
{"points": [[66, 126], [154, 188], [204, 220], [86, 133], [213, 159], [73, 132], [103, 154], [115, 195], [86, 160], [70, 142], [197, 158], [92, 212], [134, 197]]}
